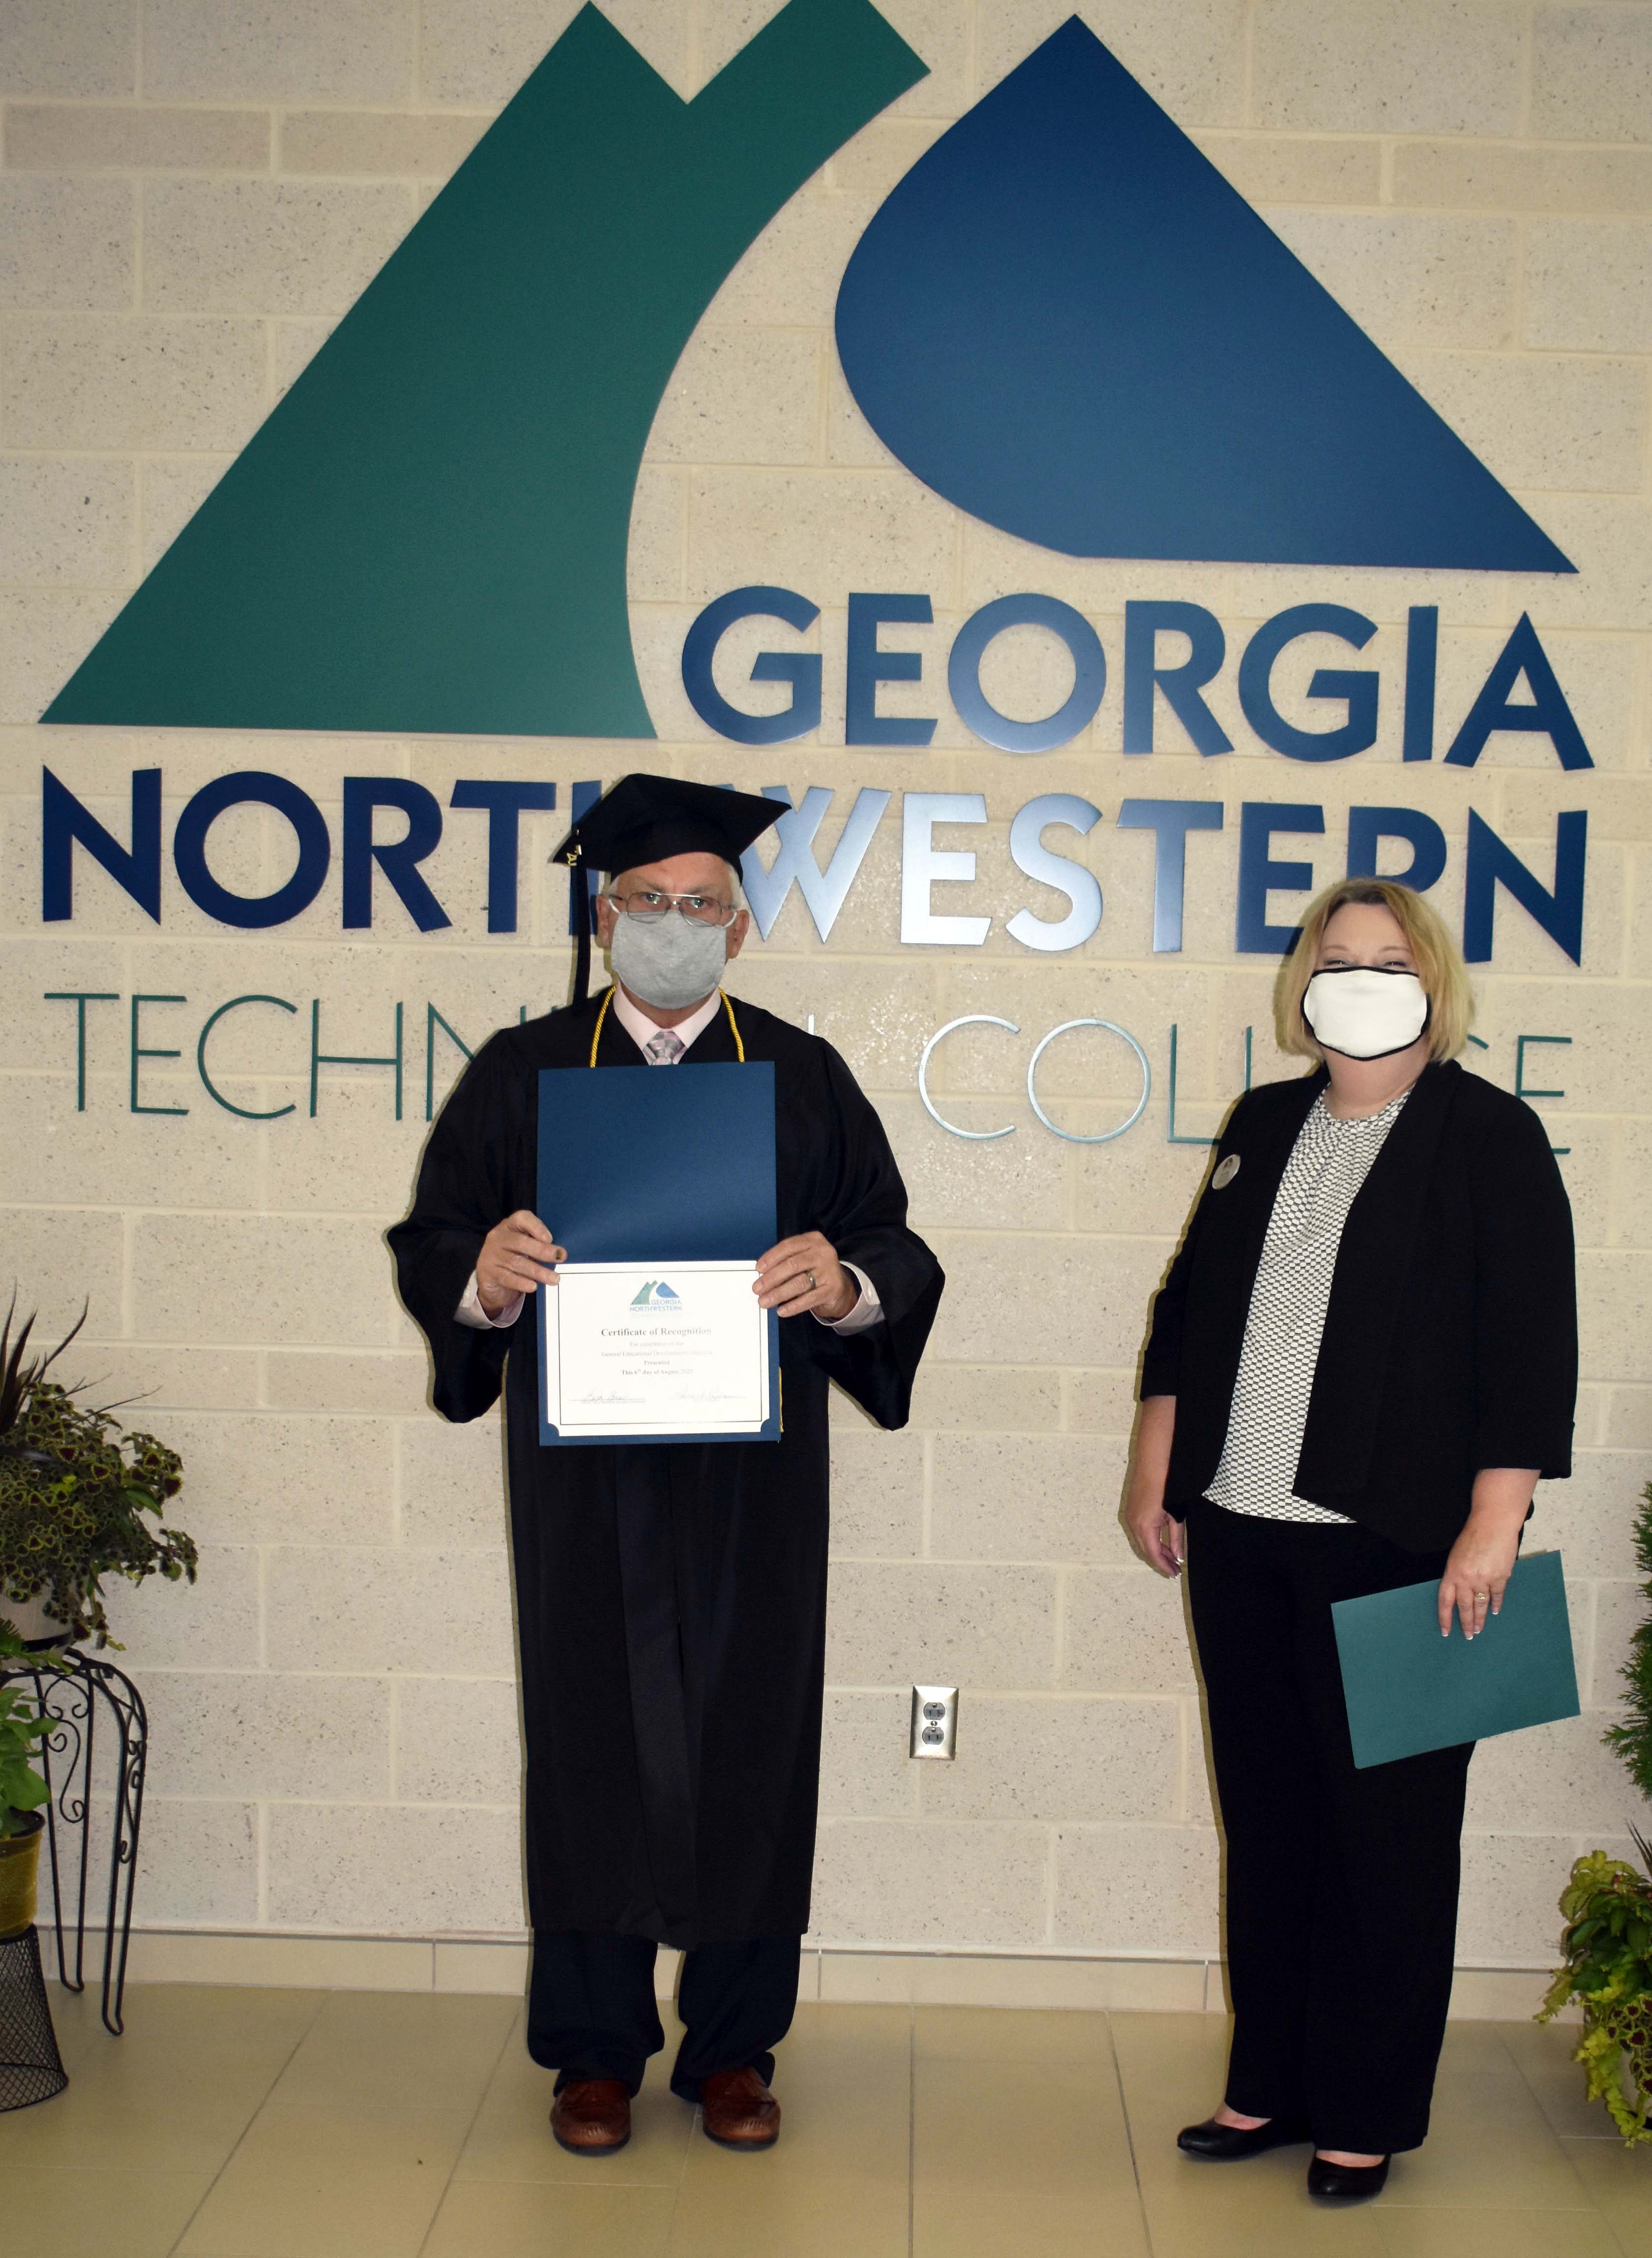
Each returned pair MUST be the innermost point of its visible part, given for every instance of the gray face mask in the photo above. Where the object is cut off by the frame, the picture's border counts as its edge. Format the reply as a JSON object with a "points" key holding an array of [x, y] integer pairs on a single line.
{"points": [[669, 960]]}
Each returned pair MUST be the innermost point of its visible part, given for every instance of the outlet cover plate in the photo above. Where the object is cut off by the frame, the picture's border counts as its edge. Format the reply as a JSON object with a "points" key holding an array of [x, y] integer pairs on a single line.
{"points": [[934, 1733]]}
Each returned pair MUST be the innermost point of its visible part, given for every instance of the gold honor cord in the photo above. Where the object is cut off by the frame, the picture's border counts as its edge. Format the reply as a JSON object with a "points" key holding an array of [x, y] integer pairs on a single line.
{"points": [[596, 1033], [734, 1026]]}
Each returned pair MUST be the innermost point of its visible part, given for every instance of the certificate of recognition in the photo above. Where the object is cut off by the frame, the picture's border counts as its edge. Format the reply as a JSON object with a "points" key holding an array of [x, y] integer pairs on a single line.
{"points": [[651, 1350], [660, 1185]]}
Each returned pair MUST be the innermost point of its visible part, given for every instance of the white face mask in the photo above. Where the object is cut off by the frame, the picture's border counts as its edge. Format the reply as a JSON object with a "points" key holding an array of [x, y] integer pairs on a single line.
{"points": [[1364, 1012], [669, 961]]}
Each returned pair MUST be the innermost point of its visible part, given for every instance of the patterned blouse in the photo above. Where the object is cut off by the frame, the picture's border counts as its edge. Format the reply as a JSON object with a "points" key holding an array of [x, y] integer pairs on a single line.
{"points": [[1285, 1321]]}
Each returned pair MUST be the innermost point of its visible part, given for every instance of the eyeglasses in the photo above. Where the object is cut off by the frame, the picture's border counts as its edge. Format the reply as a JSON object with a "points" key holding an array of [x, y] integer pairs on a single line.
{"points": [[648, 907]]}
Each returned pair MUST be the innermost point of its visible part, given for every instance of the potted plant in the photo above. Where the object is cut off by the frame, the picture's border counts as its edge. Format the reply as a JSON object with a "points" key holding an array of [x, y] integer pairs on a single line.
{"points": [[22, 1793], [1632, 1737], [80, 1498], [1608, 1968], [1608, 1907]]}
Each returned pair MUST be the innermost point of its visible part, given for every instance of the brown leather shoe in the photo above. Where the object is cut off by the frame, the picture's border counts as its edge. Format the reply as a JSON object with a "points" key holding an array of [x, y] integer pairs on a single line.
{"points": [[738, 2109], [591, 2116]]}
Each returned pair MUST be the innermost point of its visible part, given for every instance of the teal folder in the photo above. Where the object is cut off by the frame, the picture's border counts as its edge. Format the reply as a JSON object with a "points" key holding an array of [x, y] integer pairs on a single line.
{"points": [[1407, 1689]]}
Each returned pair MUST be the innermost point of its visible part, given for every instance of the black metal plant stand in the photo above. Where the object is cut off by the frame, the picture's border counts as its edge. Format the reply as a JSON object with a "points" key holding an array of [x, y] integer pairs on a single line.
{"points": [[72, 1690]]}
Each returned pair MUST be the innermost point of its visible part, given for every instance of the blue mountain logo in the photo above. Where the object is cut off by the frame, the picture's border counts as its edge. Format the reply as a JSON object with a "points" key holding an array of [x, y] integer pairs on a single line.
{"points": [[1064, 320]]}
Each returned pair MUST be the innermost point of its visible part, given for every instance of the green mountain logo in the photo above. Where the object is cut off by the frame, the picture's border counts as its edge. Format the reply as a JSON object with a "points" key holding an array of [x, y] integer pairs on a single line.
{"points": [[430, 532]]}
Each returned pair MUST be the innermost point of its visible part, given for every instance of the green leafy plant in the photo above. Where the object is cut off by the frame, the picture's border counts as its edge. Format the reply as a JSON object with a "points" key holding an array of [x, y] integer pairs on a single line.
{"points": [[22, 1789], [1608, 1970], [1608, 1909], [1632, 1737], [80, 1498], [22, 1728]]}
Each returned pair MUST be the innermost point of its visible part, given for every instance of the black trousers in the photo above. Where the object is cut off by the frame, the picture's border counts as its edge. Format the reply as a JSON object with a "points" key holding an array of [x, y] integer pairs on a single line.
{"points": [[1341, 1885], [591, 2012]]}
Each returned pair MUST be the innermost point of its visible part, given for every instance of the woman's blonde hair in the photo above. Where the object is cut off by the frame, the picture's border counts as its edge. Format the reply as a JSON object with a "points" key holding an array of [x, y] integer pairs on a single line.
{"points": [[1439, 962]]}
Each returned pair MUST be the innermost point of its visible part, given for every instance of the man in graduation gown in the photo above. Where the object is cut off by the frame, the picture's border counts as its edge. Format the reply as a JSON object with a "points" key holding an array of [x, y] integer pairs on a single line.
{"points": [[671, 1597]]}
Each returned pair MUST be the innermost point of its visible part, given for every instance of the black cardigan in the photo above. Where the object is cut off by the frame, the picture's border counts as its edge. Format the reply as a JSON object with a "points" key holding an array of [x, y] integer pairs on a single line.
{"points": [[1450, 1340]]}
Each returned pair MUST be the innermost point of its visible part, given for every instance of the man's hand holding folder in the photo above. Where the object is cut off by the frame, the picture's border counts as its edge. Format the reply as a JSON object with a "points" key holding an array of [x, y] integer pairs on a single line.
{"points": [[518, 1256]]}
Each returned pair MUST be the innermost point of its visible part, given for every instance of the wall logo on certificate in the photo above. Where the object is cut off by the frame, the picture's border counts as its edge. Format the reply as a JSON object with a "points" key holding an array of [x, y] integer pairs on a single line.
{"points": [[655, 1294]]}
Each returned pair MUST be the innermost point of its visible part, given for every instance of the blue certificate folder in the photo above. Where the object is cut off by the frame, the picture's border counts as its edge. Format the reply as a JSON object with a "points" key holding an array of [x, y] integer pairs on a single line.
{"points": [[665, 1164], [1407, 1689]]}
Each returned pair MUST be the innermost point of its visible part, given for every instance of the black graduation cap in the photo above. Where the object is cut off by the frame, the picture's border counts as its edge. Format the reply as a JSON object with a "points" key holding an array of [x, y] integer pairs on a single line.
{"points": [[644, 819]]}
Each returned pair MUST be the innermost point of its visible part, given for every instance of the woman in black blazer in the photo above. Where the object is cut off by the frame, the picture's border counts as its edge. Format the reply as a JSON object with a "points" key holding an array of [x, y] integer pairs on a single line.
{"points": [[1361, 1362]]}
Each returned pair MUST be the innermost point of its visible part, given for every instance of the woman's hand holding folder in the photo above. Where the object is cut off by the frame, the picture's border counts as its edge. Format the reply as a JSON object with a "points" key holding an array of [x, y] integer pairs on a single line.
{"points": [[1483, 1559]]}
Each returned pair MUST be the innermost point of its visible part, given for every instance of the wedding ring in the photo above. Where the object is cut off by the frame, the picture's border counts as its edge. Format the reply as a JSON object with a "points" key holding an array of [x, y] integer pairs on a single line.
{"points": [[811, 1278], [1482, 1595]]}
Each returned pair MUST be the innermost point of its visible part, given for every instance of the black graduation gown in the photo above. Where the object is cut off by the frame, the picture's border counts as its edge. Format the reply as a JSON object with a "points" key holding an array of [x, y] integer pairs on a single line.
{"points": [[670, 1598]]}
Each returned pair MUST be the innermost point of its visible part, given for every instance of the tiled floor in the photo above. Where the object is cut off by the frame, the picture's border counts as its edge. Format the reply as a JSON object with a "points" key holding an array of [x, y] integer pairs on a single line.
{"points": [[269, 2124]]}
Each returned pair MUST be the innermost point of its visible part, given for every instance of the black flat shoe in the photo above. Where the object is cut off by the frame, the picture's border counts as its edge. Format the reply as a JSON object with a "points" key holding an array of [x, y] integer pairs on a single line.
{"points": [[1225, 2144], [1346, 2183]]}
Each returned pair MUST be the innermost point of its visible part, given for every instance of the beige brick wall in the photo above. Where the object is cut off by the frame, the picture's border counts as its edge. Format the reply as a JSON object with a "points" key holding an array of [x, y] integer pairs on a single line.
{"points": [[190, 195]]}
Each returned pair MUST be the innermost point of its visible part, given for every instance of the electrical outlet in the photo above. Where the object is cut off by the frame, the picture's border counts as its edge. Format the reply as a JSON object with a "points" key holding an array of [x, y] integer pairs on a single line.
{"points": [[934, 1723]]}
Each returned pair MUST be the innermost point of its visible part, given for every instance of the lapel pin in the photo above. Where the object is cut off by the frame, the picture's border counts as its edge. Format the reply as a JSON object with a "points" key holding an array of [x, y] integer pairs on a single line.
{"points": [[1225, 1172]]}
